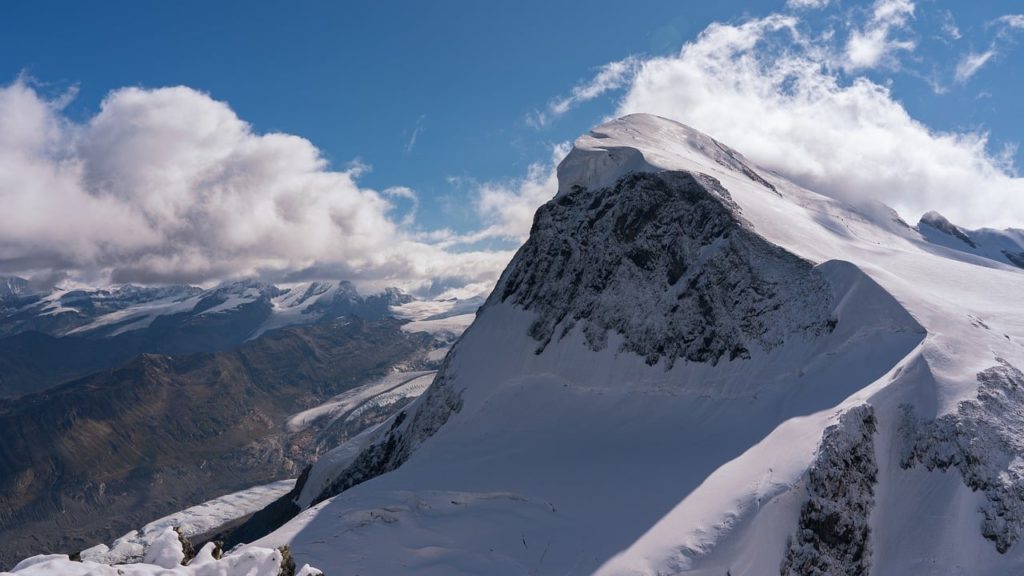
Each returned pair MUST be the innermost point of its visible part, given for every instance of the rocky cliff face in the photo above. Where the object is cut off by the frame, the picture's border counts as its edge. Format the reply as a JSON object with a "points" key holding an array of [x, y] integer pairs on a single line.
{"points": [[666, 262], [834, 535]]}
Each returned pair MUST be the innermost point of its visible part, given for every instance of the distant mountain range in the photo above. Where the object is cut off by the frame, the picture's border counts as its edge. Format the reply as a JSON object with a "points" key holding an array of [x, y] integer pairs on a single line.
{"points": [[109, 312], [120, 405], [50, 337]]}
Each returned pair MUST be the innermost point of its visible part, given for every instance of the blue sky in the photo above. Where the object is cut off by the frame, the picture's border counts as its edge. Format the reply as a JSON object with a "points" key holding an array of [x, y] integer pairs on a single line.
{"points": [[444, 97], [357, 78]]}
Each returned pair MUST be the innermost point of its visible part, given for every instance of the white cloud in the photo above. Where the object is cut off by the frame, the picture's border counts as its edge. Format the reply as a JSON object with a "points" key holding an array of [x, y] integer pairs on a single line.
{"points": [[971, 62], [873, 44], [765, 89], [949, 27], [169, 185], [508, 207], [1012, 20], [611, 76], [807, 4], [416, 131]]}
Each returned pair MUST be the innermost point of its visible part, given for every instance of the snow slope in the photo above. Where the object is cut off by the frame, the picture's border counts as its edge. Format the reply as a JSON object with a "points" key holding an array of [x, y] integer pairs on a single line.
{"points": [[695, 366], [191, 522], [167, 557]]}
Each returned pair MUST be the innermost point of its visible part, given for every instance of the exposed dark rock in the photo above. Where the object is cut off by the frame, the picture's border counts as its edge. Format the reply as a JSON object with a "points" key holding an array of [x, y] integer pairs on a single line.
{"points": [[265, 521], [287, 562], [186, 547], [833, 537], [1016, 258], [666, 261], [984, 441]]}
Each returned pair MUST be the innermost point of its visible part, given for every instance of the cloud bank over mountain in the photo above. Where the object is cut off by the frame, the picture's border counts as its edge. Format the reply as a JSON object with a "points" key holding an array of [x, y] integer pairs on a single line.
{"points": [[801, 100], [170, 185]]}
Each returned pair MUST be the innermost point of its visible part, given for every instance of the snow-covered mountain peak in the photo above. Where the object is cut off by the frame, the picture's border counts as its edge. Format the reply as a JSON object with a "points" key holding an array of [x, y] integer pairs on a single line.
{"points": [[697, 366], [644, 143], [1004, 246], [940, 223]]}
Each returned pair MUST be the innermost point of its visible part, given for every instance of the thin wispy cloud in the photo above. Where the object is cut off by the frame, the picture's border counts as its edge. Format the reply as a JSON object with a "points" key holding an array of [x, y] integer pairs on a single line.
{"points": [[611, 76], [949, 26], [971, 62], [417, 129], [807, 4], [1006, 28], [1012, 21]]}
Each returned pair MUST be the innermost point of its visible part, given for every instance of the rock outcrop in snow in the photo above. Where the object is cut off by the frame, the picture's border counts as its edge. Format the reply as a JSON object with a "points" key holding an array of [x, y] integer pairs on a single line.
{"points": [[984, 441], [666, 262], [834, 535]]}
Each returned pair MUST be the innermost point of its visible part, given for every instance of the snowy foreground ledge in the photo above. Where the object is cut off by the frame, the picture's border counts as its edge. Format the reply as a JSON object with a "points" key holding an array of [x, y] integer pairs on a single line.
{"points": [[167, 557]]}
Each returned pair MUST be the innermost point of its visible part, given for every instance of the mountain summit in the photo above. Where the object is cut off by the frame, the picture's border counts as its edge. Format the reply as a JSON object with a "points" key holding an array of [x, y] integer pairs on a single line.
{"points": [[696, 366]]}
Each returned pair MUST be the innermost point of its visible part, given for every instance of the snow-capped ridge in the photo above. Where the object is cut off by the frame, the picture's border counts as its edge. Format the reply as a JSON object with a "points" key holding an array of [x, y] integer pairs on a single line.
{"points": [[169, 557], [1003, 246], [940, 223], [645, 143], [81, 311]]}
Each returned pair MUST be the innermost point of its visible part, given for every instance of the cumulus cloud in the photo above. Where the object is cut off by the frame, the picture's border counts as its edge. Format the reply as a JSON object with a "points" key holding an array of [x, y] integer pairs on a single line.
{"points": [[508, 207], [773, 93], [169, 185]]}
